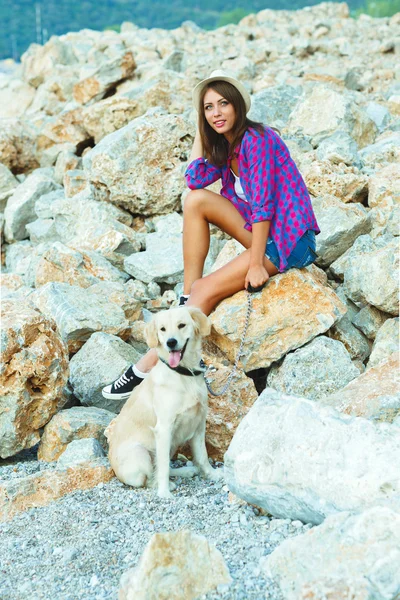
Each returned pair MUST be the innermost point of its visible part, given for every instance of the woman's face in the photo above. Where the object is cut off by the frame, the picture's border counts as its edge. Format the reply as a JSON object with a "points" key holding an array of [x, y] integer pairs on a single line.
{"points": [[219, 112]]}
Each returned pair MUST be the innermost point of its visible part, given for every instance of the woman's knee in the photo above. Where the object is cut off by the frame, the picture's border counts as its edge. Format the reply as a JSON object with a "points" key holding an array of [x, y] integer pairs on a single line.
{"points": [[194, 201]]}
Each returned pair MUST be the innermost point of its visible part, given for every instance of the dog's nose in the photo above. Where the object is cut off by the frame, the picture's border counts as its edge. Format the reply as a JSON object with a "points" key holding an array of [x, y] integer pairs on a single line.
{"points": [[171, 343]]}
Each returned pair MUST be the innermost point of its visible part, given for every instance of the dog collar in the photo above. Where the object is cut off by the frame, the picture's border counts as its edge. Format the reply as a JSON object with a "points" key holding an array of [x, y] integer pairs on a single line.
{"points": [[184, 370]]}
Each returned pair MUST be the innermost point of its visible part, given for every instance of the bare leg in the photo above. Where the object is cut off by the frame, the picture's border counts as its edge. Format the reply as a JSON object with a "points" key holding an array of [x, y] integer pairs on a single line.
{"points": [[202, 207]]}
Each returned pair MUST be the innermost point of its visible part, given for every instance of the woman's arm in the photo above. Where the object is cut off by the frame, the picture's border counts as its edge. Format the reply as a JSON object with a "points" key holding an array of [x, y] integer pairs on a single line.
{"points": [[199, 172], [257, 273]]}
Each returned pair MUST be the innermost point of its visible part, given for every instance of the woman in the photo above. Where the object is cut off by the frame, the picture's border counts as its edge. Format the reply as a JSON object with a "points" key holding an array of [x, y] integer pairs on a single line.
{"points": [[263, 203]]}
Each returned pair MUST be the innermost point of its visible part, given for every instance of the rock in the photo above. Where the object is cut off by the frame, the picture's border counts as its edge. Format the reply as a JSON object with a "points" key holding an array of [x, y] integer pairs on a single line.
{"points": [[79, 313], [325, 110], [80, 451], [60, 263], [38, 62], [315, 370], [299, 460], [8, 183], [386, 342], [324, 178], [34, 370], [66, 161], [156, 147], [226, 412], [121, 295], [273, 105], [74, 182], [42, 488], [384, 186], [353, 340], [369, 319], [85, 224], [338, 148], [63, 131], [15, 98], [18, 146], [101, 79], [379, 114], [99, 362], [109, 115], [163, 259], [175, 566], [385, 149], [348, 556], [291, 310], [374, 395], [372, 277], [74, 423], [20, 208], [44, 203], [340, 225]]}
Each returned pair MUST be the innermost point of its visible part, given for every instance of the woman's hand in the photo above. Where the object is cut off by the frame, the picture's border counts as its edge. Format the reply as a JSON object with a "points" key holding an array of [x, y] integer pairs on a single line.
{"points": [[256, 276]]}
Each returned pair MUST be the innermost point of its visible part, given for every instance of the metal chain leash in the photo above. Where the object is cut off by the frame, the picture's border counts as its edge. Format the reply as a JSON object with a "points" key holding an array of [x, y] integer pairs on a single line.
{"points": [[239, 354]]}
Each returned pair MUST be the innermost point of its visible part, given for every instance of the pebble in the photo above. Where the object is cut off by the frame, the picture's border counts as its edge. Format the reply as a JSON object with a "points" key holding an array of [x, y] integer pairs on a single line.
{"points": [[79, 546]]}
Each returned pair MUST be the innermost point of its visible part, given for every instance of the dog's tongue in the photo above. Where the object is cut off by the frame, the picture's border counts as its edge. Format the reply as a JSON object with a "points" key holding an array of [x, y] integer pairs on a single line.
{"points": [[174, 358]]}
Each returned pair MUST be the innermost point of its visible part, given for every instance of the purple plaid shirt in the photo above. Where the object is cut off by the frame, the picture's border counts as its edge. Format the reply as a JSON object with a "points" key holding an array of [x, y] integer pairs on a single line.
{"points": [[274, 189]]}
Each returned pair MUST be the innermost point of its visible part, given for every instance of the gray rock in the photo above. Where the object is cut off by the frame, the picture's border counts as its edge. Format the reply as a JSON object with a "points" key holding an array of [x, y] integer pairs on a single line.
{"points": [[314, 370], [379, 114], [274, 104], [44, 203], [99, 362], [386, 342], [297, 459], [80, 451], [312, 564], [42, 231], [384, 150], [163, 259], [8, 183], [372, 277], [369, 319], [340, 225], [354, 341], [79, 313], [156, 147], [339, 147], [364, 244], [20, 208]]}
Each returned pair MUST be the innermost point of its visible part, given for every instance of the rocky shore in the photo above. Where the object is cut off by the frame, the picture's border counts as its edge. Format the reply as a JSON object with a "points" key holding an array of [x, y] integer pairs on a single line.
{"points": [[95, 133]]}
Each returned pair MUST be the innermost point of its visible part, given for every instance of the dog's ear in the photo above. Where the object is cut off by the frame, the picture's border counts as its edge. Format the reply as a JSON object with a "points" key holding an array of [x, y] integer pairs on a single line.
{"points": [[202, 323], [150, 333]]}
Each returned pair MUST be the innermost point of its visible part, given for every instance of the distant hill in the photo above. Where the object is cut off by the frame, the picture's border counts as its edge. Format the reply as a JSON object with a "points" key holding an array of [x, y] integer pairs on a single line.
{"points": [[27, 21]]}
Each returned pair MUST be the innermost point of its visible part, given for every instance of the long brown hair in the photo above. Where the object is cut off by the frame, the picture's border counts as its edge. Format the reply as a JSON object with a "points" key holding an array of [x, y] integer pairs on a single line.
{"points": [[216, 148]]}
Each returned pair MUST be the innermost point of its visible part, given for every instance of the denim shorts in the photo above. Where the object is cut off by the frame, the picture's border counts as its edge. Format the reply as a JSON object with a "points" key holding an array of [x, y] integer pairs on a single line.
{"points": [[302, 255]]}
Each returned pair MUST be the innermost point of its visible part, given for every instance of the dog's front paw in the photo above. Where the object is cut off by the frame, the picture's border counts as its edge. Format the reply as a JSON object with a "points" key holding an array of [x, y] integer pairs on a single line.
{"points": [[172, 486], [166, 494], [215, 474]]}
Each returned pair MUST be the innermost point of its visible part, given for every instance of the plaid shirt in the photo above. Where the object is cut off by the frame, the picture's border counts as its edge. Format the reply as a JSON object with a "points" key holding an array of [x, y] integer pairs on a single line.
{"points": [[274, 189]]}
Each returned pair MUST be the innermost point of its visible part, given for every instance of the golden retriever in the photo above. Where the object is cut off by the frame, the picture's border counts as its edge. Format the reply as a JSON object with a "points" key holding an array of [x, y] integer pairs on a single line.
{"points": [[167, 410]]}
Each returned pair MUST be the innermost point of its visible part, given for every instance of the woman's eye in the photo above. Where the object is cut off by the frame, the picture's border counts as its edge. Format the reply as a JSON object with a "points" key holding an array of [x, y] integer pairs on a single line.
{"points": [[224, 103], [181, 325], [162, 328]]}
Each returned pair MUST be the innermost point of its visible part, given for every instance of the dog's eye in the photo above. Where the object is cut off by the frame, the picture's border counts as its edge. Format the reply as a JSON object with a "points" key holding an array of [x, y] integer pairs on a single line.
{"points": [[181, 325], [162, 328]]}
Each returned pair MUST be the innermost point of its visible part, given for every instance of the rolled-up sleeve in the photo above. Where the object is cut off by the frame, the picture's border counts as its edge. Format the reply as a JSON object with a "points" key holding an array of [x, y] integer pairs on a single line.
{"points": [[262, 167], [200, 173]]}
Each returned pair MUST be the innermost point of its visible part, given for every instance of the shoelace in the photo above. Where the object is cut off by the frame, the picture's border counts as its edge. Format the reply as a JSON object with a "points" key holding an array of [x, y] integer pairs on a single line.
{"points": [[121, 381]]}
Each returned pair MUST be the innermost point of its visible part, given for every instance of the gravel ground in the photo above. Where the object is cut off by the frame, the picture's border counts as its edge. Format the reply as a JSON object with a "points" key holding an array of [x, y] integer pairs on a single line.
{"points": [[79, 546]]}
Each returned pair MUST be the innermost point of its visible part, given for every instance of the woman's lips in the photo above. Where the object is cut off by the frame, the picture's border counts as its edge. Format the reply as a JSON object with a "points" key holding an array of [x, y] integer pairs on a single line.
{"points": [[219, 123]]}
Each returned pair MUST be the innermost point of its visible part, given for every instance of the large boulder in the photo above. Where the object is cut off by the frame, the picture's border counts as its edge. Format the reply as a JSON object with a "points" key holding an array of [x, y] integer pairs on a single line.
{"points": [[20, 208], [291, 310], [178, 565], [384, 186], [326, 110], [100, 360], [386, 342], [374, 395], [79, 313], [34, 371], [340, 225], [74, 423], [8, 183], [315, 370], [156, 147], [18, 146], [348, 556], [344, 182], [300, 460]]}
